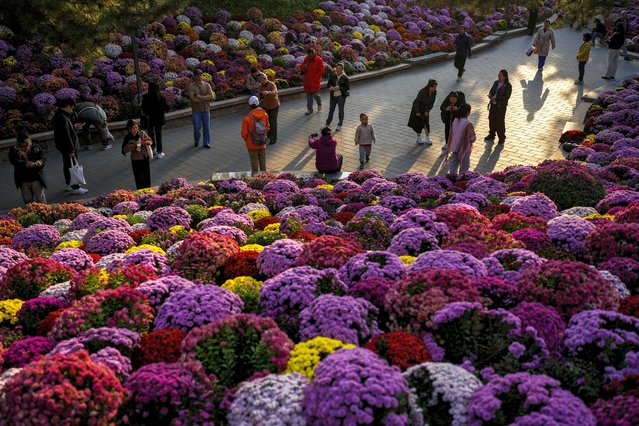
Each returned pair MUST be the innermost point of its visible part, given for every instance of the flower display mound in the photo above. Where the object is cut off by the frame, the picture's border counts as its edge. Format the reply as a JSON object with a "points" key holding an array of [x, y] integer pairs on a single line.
{"points": [[22, 352], [274, 399], [399, 348], [36, 235], [546, 320], [62, 389], [248, 290], [121, 308], [413, 301], [486, 340], [160, 346], [27, 279], [196, 306], [449, 259], [442, 392], [568, 184], [613, 240], [328, 252], [33, 311], [570, 287], [157, 392], [340, 393], [488, 238], [202, 254], [237, 347], [372, 264], [523, 398], [621, 410], [306, 356]]}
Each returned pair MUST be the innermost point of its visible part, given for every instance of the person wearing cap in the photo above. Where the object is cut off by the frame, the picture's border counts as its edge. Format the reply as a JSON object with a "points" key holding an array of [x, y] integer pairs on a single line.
{"points": [[252, 81], [66, 141], [201, 95], [256, 149], [271, 104], [312, 69], [28, 161]]}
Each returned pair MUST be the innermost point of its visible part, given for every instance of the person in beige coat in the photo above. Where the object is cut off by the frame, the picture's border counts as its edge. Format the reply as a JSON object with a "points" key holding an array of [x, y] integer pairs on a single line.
{"points": [[543, 41], [271, 103], [201, 94]]}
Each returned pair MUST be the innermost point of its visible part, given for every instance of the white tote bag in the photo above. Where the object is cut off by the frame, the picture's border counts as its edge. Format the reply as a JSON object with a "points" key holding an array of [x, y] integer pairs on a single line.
{"points": [[77, 173]]}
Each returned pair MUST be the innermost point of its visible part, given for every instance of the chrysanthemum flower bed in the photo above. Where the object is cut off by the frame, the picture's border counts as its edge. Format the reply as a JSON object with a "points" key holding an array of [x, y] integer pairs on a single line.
{"points": [[355, 302]]}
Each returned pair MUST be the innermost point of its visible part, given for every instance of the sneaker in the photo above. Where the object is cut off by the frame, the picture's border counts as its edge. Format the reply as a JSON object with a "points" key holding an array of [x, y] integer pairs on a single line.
{"points": [[420, 141], [428, 141], [338, 128], [361, 165], [79, 191], [458, 79], [207, 146], [159, 155], [579, 82], [319, 107], [308, 112], [606, 77], [489, 138], [501, 141], [68, 188], [106, 147], [88, 148], [196, 144]]}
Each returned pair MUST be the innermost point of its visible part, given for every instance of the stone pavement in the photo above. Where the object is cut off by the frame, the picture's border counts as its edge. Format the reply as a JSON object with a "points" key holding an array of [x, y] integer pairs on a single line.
{"points": [[540, 106]]}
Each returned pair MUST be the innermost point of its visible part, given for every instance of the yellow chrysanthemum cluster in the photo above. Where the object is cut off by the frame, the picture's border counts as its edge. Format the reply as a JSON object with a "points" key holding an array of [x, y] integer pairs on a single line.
{"points": [[256, 215], [600, 216], [270, 73], [407, 259], [10, 60], [516, 194], [120, 216], [319, 12], [69, 244], [168, 36], [180, 231], [305, 356], [375, 28], [273, 227], [252, 247], [358, 35], [183, 26], [146, 246], [9, 311], [144, 191], [326, 186]]}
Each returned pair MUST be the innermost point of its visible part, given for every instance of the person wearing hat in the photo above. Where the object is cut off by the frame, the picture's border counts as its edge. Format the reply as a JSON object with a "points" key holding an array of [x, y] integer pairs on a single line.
{"points": [[255, 127], [28, 161], [201, 95], [66, 141]]}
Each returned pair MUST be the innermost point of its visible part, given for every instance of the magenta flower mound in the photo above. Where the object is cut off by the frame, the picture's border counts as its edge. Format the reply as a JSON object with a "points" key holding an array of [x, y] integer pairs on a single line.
{"points": [[372, 264], [345, 318], [497, 293], [126, 207], [202, 254], [372, 289], [29, 278], [22, 352], [157, 291], [74, 258], [448, 259], [35, 310], [508, 264], [281, 185], [147, 257], [535, 205], [613, 240], [621, 410], [157, 392], [412, 242], [533, 239], [420, 218], [83, 220], [196, 306], [122, 339], [356, 387], [110, 241], [412, 302], [66, 380], [524, 399], [114, 360], [36, 235], [626, 269], [104, 224], [237, 347], [168, 217], [569, 233], [228, 231], [545, 320], [328, 252], [570, 287], [272, 400], [278, 257]]}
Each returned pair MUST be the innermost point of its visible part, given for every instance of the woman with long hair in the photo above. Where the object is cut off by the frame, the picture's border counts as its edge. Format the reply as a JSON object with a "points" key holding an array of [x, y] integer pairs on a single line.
{"points": [[420, 111], [498, 95], [138, 143]]}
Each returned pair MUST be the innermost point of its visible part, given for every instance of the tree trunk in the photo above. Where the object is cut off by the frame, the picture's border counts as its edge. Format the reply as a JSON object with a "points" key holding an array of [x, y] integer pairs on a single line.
{"points": [[136, 66]]}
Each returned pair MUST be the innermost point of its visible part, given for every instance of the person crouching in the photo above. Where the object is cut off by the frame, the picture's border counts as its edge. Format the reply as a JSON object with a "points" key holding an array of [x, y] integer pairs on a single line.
{"points": [[326, 158]]}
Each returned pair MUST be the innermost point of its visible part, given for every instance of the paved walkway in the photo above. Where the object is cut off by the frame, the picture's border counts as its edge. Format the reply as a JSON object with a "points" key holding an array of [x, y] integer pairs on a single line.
{"points": [[540, 105]]}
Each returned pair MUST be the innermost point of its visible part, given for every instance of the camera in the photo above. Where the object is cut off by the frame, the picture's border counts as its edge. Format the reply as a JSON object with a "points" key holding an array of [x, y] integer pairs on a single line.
{"points": [[314, 135]]}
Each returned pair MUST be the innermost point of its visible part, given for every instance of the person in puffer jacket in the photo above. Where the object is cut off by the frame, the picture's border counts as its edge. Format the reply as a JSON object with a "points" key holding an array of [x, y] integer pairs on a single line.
{"points": [[326, 158]]}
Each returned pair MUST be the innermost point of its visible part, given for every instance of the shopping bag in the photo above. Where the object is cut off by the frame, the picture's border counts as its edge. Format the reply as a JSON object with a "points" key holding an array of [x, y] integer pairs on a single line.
{"points": [[530, 51], [77, 173], [148, 151]]}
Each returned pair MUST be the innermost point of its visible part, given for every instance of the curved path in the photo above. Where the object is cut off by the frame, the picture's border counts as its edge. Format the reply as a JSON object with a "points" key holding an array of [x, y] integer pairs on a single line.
{"points": [[540, 106]]}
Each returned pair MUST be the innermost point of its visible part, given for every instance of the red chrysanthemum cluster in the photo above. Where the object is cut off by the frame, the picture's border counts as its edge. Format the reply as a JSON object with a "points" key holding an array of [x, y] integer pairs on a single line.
{"points": [[262, 223], [514, 221], [328, 251], [241, 264], [399, 348], [160, 346], [630, 306], [343, 217]]}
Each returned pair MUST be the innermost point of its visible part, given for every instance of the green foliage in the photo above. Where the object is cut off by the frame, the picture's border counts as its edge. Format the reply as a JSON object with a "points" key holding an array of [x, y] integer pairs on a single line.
{"points": [[270, 8], [264, 238], [29, 219], [198, 214]]}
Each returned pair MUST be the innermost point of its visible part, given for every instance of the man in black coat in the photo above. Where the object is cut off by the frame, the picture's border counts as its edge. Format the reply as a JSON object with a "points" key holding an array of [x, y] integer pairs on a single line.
{"points": [[66, 141], [614, 45]]}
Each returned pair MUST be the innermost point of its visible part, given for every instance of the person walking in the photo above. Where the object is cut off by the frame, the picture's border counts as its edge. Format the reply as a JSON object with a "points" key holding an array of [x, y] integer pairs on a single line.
{"points": [[599, 32], [28, 162], [271, 104], [365, 138], [154, 107], [312, 70], [533, 13], [449, 109], [138, 144], [66, 141], [420, 111], [326, 158], [339, 86], [463, 44], [460, 144], [583, 55], [255, 126], [623, 20], [201, 95], [252, 81], [499, 94], [543, 41], [614, 45]]}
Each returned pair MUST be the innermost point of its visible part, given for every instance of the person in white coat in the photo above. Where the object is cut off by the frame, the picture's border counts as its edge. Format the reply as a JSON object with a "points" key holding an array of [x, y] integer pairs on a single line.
{"points": [[543, 41]]}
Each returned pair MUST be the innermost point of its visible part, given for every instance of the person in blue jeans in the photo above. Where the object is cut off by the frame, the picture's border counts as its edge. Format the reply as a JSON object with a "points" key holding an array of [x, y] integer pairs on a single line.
{"points": [[599, 31], [339, 86], [201, 95]]}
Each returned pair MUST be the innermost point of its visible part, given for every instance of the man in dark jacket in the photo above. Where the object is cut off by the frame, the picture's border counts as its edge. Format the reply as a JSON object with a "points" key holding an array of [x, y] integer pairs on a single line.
{"points": [[463, 43], [614, 45], [28, 168], [66, 141]]}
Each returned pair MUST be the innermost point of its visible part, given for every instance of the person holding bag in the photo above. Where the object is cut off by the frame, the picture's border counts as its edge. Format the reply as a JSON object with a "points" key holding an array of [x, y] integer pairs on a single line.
{"points": [[138, 143], [499, 95], [460, 143], [544, 39], [420, 112], [66, 141], [339, 86], [28, 174]]}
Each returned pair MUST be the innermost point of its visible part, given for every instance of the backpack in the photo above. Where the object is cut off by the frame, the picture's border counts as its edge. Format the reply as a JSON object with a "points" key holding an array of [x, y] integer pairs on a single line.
{"points": [[258, 135]]}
